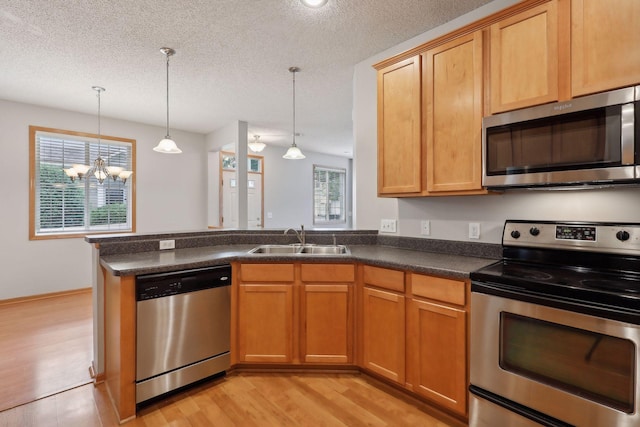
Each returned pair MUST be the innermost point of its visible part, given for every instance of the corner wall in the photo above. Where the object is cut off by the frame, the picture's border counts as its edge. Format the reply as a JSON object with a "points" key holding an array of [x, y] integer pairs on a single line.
{"points": [[170, 196]]}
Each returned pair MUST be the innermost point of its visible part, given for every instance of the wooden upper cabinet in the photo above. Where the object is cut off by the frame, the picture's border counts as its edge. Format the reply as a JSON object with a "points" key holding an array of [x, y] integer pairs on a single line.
{"points": [[453, 115], [605, 45], [524, 59], [399, 141]]}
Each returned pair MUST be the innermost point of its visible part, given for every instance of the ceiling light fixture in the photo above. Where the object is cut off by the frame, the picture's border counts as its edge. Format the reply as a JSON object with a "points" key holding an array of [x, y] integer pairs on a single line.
{"points": [[256, 146], [167, 145], [314, 3], [99, 169], [294, 153]]}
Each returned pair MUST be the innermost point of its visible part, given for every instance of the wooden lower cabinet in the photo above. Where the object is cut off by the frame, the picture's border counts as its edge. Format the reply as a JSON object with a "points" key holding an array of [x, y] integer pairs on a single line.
{"points": [[327, 331], [410, 328], [295, 313], [384, 334], [326, 313], [437, 340], [438, 334], [265, 322], [265, 313], [383, 322]]}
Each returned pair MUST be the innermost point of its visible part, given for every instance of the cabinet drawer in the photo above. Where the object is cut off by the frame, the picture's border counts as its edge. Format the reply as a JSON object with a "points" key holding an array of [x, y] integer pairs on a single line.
{"points": [[327, 273], [437, 288], [266, 273], [384, 278]]}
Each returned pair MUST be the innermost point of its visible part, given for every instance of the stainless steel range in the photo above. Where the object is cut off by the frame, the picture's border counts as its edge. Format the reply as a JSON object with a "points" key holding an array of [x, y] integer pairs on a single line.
{"points": [[555, 328]]}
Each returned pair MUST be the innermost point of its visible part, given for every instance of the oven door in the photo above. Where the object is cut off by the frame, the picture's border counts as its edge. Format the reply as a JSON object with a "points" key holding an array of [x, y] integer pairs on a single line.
{"points": [[551, 365]]}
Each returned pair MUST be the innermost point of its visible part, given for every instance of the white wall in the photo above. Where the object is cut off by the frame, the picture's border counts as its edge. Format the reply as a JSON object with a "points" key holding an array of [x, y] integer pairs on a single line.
{"points": [[450, 216], [170, 192], [289, 186]]}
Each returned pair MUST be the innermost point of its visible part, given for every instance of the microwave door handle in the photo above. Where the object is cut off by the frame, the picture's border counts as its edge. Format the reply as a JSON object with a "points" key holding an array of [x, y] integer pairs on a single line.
{"points": [[627, 134]]}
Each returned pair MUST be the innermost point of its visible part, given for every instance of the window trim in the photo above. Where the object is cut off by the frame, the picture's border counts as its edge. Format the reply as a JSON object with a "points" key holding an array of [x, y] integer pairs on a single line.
{"points": [[344, 195], [32, 182]]}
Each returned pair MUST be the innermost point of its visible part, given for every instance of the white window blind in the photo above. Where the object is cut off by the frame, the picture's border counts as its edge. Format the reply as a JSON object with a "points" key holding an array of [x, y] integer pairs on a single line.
{"points": [[329, 188], [62, 206]]}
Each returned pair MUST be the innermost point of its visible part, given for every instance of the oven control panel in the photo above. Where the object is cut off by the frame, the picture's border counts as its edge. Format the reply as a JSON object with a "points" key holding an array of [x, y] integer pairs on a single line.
{"points": [[597, 237]]}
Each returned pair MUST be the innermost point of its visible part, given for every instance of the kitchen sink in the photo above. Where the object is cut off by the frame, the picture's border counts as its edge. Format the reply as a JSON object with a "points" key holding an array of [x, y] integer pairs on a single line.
{"points": [[276, 249], [301, 250], [325, 250]]}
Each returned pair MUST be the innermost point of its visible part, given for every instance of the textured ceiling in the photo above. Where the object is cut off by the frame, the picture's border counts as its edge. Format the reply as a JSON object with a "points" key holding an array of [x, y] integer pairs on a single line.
{"points": [[231, 62]]}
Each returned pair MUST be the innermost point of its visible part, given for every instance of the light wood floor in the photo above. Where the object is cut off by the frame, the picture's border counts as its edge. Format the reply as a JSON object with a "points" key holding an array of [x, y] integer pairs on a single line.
{"points": [[240, 399], [45, 347]]}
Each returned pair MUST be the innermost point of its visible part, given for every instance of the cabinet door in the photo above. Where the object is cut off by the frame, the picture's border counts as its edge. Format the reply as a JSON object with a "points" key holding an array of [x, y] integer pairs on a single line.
{"points": [[605, 45], [399, 141], [453, 92], [384, 333], [524, 59], [438, 337], [327, 323], [265, 323]]}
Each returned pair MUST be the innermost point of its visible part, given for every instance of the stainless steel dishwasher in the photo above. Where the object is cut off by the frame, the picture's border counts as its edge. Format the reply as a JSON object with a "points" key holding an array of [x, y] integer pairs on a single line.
{"points": [[182, 328]]}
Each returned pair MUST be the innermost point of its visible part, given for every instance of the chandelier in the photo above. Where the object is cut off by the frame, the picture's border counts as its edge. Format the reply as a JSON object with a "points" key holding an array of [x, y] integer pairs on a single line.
{"points": [[100, 169], [256, 145]]}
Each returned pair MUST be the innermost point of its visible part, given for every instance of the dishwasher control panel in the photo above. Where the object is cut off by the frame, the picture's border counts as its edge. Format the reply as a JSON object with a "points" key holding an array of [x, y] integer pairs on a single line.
{"points": [[161, 285]]}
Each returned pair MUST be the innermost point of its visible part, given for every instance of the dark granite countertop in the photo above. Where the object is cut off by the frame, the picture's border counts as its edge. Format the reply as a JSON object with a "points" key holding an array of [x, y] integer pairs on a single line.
{"points": [[434, 263]]}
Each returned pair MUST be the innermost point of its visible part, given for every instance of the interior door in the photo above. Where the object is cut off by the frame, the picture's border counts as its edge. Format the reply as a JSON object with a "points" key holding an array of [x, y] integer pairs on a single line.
{"points": [[254, 199], [229, 199]]}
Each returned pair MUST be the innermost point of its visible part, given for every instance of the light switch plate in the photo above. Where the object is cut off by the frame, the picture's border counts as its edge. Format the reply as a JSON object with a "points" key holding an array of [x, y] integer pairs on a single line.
{"points": [[425, 227], [388, 225], [474, 230], [167, 244]]}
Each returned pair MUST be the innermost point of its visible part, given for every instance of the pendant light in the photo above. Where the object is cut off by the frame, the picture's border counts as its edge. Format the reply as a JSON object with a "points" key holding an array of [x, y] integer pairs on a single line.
{"points": [[294, 153], [256, 146], [314, 3], [167, 145], [99, 169]]}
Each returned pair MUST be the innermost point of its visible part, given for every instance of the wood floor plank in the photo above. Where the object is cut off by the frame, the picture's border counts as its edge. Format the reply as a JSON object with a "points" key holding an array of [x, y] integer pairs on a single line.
{"points": [[241, 399], [46, 347]]}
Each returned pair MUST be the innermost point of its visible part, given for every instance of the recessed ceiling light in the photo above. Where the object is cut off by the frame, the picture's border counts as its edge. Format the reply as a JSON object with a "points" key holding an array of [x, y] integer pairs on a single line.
{"points": [[314, 3]]}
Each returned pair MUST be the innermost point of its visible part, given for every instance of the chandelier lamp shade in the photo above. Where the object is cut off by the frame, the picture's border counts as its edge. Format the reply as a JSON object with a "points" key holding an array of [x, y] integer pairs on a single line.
{"points": [[256, 145], [294, 153], [167, 145], [100, 169]]}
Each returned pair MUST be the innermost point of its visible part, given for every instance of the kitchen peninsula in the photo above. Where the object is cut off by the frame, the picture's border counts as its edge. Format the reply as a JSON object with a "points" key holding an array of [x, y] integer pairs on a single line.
{"points": [[419, 287]]}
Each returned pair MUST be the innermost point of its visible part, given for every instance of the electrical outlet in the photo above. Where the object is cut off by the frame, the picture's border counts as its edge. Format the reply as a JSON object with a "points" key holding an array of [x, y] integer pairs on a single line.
{"points": [[425, 227], [474, 230], [388, 225], [167, 244]]}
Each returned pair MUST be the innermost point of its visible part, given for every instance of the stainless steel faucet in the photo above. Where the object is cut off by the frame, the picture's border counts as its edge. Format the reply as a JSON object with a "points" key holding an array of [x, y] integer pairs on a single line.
{"points": [[301, 237]]}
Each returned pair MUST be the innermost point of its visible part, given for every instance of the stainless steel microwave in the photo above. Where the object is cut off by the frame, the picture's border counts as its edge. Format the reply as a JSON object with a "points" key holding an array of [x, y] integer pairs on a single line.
{"points": [[591, 140]]}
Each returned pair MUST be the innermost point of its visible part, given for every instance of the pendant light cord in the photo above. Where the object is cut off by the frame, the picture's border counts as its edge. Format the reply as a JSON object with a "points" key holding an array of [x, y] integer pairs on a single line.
{"points": [[99, 90], [294, 70], [167, 94]]}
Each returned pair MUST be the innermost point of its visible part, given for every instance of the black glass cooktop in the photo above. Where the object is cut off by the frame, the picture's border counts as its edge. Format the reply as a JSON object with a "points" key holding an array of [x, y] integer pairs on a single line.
{"points": [[615, 290]]}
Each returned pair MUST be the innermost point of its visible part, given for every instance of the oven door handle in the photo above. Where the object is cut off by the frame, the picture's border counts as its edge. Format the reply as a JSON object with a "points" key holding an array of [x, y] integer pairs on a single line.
{"points": [[519, 409], [517, 293]]}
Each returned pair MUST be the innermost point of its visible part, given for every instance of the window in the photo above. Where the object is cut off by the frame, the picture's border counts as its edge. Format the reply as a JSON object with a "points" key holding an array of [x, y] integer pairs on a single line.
{"points": [[329, 187], [254, 163], [60, 207]]}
